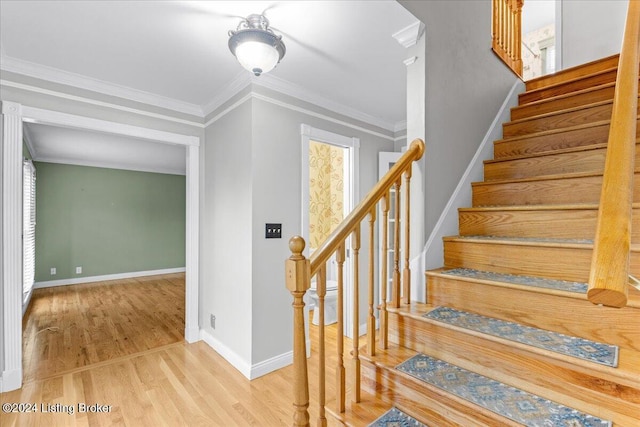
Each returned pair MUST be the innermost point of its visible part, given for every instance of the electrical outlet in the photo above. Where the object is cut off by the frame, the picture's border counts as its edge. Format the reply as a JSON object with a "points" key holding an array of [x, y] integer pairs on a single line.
{"points": [[78, 270], [213, 321], [53, 271]]}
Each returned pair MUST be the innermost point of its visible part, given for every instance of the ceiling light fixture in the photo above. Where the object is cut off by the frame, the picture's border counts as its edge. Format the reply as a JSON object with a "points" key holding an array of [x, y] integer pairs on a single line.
{"points": [[255, 45]]}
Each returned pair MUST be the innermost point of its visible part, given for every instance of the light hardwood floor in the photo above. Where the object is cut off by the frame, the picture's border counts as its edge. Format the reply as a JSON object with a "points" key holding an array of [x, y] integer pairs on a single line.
{"points": [[173, 384]]}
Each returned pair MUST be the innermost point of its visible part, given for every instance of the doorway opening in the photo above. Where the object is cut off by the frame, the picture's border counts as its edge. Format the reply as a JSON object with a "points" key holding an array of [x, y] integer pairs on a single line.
{"points": [[329, 189]]}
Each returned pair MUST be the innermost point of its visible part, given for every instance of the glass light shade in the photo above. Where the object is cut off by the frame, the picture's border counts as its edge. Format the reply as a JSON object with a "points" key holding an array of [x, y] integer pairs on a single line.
{"points": [[257, 56]]}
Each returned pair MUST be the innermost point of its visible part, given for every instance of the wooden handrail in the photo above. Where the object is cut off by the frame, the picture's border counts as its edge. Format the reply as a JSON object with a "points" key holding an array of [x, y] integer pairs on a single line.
{"points": [[608, 278], [322, 254], [299, 270]]}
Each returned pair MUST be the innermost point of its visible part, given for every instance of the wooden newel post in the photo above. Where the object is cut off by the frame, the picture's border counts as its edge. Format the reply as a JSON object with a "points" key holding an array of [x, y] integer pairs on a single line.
{"points": [[297, 272]]}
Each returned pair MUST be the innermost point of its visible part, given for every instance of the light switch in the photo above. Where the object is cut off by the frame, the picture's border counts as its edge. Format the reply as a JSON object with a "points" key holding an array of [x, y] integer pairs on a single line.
{"points": [[273, 231]]}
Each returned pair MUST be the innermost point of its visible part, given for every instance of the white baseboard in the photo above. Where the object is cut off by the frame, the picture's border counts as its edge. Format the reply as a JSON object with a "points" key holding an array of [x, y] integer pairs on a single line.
{"points": [[106, 277], [273, 364], [229, 355], [249, 371], [11, 380], [192, 334]]}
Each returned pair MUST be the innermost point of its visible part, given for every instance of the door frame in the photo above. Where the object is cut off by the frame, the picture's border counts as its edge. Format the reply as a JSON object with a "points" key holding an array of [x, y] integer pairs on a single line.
{"points": [[352, 144], [13, 116]]}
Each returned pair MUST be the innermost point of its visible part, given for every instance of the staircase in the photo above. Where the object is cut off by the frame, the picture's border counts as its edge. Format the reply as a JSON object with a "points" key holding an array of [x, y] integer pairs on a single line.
{"points": [[521, 262]]}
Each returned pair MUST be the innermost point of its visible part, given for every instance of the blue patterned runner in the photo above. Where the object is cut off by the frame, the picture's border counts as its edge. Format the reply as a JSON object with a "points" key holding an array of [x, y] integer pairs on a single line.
{"points": [[396, 418], [601, 353], [510, 402], [538, 282]]}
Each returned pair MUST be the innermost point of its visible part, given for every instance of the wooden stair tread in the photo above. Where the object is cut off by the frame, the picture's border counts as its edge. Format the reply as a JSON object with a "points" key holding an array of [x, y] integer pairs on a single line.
{"points": [[566, 95], [578, 71], [537, 178], [554, 131], [561, 111], [633, 301], [572, 80], [549, 153], [577, 206], [628, 370], [369, 409]]}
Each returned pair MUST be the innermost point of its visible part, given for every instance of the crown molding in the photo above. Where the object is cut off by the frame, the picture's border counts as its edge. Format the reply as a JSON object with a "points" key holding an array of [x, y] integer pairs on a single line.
{"points": [[277, 84], [111, 165], [242, 80], [410, 35], [55, 75], [399, 126]]}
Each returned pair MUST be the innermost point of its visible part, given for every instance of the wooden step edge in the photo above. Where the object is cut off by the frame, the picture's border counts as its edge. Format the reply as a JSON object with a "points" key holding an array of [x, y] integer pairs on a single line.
{"points": [[511, 208], [580, 148], [558, 112], [365, 412], [568, 81], [573, 69], [438, 396], [554, 131], [550, 177], [626, 373], [514, 241], [564, 96], [506, 285]]}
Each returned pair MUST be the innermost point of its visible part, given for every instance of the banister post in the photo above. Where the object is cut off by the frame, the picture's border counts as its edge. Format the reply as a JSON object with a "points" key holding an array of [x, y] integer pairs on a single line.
{"points": [[298, 280]]}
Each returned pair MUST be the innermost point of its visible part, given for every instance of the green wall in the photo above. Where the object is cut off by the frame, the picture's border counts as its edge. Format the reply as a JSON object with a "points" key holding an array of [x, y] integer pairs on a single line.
{"points": [[107, 221]]}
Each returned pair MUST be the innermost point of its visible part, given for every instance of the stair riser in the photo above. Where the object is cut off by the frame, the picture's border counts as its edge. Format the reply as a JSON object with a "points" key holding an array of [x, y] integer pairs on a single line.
{"points": [[431, 406], [561, 163], [541, 310], [561, 224], [554, 262], [563, 102], [598, 134], [573, 73], [584, 189], [573, 86], [557, 121]]}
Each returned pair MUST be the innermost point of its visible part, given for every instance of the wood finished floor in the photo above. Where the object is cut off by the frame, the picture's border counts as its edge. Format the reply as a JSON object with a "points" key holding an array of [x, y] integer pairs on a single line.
{"points": [[68, 327], [175, 384]]}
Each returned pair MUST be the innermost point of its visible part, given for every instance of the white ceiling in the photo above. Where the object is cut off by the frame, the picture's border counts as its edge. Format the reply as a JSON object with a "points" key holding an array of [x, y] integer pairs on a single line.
{"points": [[174, 54]]}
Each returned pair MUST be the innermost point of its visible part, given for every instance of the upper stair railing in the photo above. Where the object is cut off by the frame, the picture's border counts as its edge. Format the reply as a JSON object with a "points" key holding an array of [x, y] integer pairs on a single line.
{"points": [[506, 32], [609, 276], [299, 271]]}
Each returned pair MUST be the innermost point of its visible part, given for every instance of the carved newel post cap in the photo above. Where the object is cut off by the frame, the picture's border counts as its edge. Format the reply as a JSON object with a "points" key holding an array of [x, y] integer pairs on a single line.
{"points": [[296, 246]]}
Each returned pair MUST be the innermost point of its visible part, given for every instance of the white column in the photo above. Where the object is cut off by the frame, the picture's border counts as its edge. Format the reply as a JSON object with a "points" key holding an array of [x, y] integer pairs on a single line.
{"points": [[191, 327], [11, 255]]}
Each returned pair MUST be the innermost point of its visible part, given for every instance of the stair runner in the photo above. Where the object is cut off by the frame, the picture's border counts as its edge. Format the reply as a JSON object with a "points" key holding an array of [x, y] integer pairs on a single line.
{"points": [[538, 282], [510, 402], [396, 418], [592, 351]]}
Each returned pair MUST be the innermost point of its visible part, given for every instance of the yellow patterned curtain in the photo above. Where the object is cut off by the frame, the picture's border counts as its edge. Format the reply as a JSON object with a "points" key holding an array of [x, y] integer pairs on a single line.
{"points": [[326, 190]]}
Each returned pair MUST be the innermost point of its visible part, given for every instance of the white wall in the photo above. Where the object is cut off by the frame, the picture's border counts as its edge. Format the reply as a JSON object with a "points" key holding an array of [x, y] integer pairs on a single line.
{"points": [[226, 235], [465, 86], [265, 128], [591, 29]]}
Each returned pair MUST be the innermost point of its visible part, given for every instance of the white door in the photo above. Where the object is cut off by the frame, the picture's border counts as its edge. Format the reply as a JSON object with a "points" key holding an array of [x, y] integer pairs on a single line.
{"points": [[337, 199]]}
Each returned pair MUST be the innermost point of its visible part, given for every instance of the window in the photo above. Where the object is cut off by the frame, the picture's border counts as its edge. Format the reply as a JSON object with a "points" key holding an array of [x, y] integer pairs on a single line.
{"points": [[28, 228]]}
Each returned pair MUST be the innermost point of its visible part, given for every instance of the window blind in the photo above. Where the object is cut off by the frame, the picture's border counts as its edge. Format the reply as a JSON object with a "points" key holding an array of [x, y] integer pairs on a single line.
{"points": [[28, 227]]}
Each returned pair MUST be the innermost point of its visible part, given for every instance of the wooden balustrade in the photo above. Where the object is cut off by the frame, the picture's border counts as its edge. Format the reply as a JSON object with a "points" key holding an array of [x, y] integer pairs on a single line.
{"points": [[608, 279], [299, 271], [506, 32]]}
